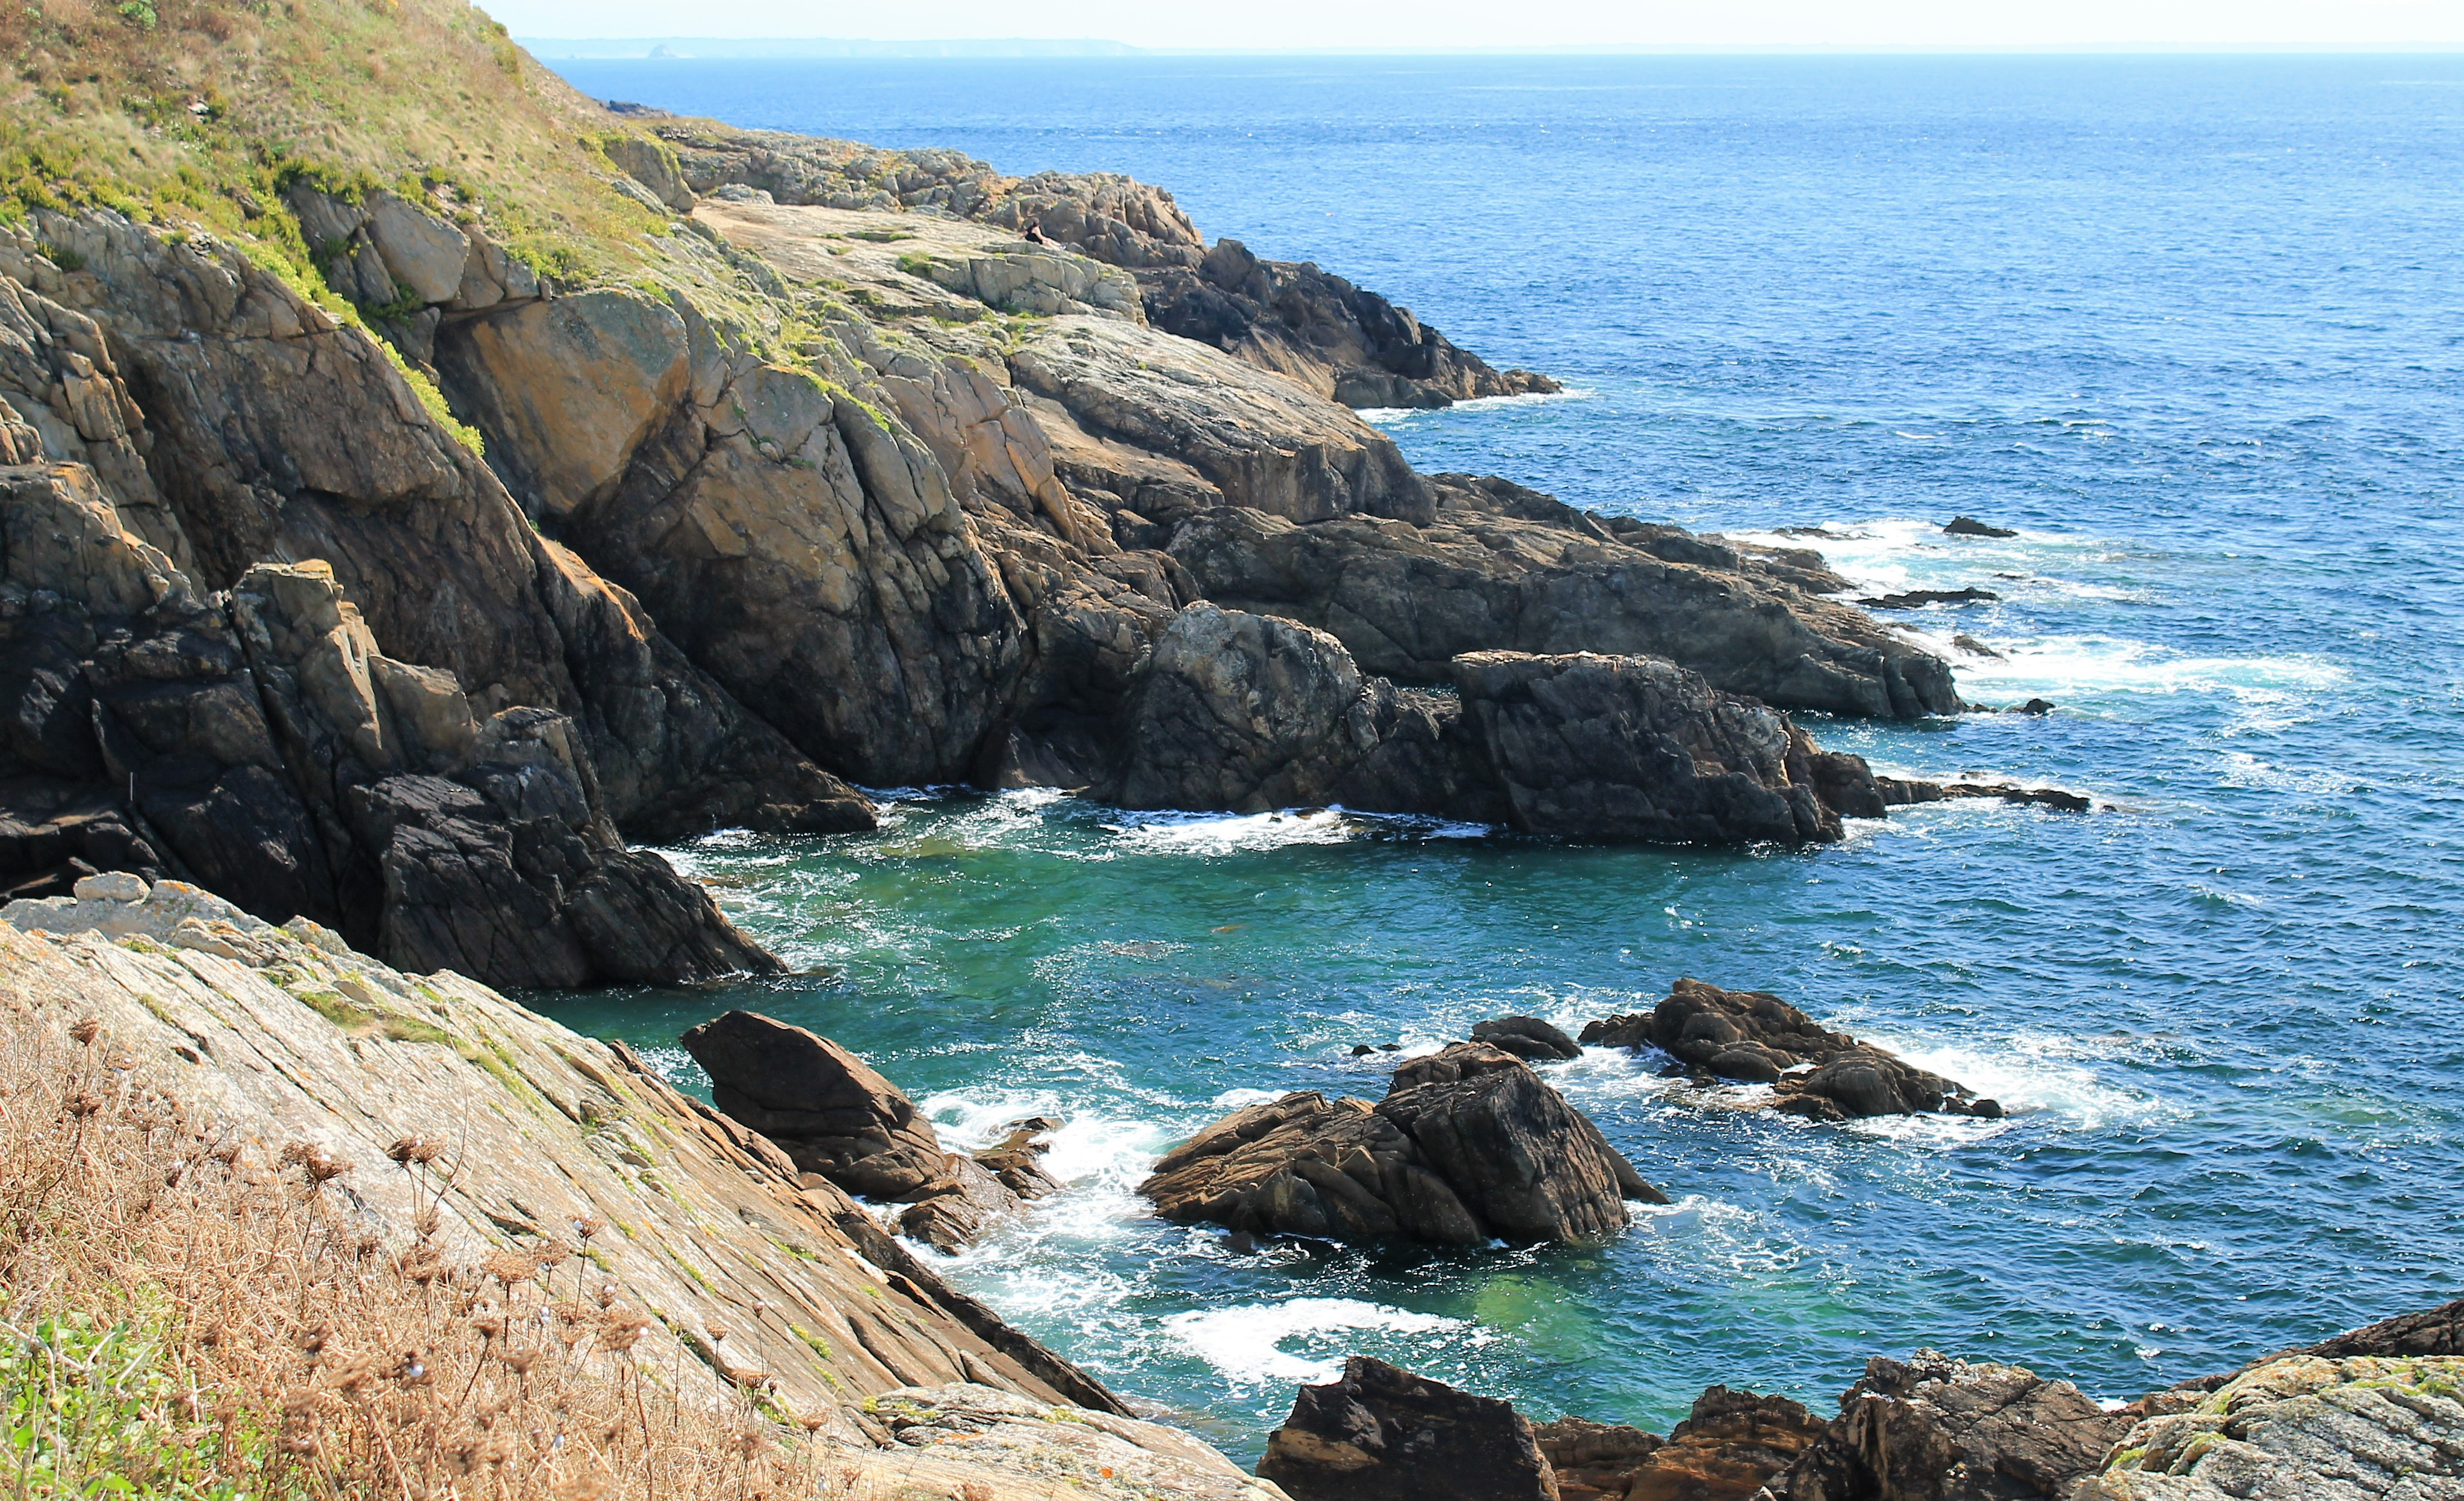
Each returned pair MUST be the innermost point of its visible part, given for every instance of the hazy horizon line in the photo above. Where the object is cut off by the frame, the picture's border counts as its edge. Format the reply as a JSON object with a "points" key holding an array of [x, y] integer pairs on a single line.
{"points": [[963, 49]]}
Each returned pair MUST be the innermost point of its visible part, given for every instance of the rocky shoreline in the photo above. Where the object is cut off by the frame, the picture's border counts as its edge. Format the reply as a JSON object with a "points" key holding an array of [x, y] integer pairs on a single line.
{"points": [[871, 468]]}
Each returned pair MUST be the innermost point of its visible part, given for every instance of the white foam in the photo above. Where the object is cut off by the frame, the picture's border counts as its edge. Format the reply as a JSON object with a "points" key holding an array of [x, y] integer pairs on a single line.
{"points": [[1390, 418], [2026, 1073], [1245, 1342], [2087, 665]]}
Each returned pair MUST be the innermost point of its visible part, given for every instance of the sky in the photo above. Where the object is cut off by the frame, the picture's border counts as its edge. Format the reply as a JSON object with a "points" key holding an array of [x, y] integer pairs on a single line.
{"points": [[1280, 24]]}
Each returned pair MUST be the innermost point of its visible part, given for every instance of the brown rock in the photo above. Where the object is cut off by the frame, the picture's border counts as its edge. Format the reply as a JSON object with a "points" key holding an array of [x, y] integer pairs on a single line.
{"points": [[1594, 1461], [1526, 1037], [1726, 1449], [1383, 1434], [1469, 1144], [957, 1207], [1940, 1430], [1017, 1160], [824, 1106], [1755, 1037]]}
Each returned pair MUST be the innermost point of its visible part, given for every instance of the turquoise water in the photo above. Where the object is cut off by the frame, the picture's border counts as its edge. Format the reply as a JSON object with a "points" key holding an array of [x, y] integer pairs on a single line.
{"points": [[2195, 327]]}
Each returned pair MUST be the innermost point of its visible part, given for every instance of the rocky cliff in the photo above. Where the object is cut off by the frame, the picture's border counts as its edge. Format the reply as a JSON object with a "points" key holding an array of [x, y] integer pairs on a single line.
{"points": [[688, 471]]}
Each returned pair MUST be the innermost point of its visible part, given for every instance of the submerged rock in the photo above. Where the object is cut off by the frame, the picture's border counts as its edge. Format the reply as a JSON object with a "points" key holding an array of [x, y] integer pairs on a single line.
{"points": [[1467, 1145], [1383, 1434], [1755, 1037], [1969, 525], [1933, 1428], [1918, 598], [1898, 793]]}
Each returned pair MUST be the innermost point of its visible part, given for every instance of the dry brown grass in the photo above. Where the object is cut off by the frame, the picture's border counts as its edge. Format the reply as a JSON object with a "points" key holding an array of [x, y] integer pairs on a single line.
{"points": [[205, 1316]]}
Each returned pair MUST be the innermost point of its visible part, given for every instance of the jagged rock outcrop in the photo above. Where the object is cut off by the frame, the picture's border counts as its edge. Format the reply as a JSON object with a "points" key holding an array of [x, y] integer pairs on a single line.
{"points": [[838, 1119], [1467, 1145], [1755, 1037], [1500, 567], [271, 431], [1383, 1434], [770, 1287], [2431, 1331], [1246, 712], [2311, 1427], [1933, 1428], [1730, 1444]]}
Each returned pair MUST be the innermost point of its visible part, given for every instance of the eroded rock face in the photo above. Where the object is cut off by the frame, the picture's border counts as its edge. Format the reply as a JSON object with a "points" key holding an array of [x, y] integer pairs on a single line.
{"points": [[1467, 1145], [1938, 1429], [1383, 1434], [2313, 1427], [1754, 1037], [824, 1106]]}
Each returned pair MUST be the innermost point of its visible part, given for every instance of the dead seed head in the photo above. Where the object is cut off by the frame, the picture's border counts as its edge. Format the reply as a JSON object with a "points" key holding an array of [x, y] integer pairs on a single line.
{"points": [[85, 1028]]}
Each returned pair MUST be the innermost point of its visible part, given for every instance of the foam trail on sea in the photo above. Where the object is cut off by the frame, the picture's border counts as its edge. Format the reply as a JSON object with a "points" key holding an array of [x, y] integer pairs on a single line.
{"points": [[1397, 419], [1246, 1342]]}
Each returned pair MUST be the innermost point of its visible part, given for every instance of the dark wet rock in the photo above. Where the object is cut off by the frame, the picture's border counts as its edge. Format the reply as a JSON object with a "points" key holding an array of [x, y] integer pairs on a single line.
{"points": [[1969, 525], [1383, 1434], [824, 1106], [1526, 1037], [1755, 1037], [1900, 792], [2431, 1331], [2034, 705], [1635, 748], [1467, 1145], [1974, 648], [1918, 599], [1933, 1428], [1500, 567], [1362, 1050]]}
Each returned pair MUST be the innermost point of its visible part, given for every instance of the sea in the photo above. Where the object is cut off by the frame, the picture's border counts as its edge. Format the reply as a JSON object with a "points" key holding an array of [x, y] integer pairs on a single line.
{"points": [[2192, 327]]}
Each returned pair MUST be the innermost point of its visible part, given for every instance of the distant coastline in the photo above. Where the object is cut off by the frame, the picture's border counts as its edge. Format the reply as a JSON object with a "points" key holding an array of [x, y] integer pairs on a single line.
{"points": [[565, 49]]}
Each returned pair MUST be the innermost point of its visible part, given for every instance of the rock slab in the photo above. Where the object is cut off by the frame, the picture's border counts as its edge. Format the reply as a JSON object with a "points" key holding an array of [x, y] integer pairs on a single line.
{"points": [[1383, 1434]]}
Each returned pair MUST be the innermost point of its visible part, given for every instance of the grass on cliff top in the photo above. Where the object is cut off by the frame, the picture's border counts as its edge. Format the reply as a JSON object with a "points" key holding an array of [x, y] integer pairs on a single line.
{"points": [[187, 1315], [201, 111]]}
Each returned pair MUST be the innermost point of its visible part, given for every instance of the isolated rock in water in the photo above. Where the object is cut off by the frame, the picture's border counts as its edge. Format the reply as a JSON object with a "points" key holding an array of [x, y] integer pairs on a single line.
{"points": [[1755, 1037], [1918, 598], [824, 1105], [1900, 792], [2302, 1428], [1531, 1166], [2034, 705], [1307, 1165], [1525, 1038], [1969, 525], [1467, 1145], [1017, 1160], [1938, 1429], [1726, 1449], [1383, 1434], [1974, 648]]}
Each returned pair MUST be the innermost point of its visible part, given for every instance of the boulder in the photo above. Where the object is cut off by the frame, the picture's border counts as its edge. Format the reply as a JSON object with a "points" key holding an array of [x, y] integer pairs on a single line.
{"points": [[1933, 1428], [1017, 1160], [1754, 1037], [1526, 1037], [1730, 1445], [1469, 1145], [1969, 525], [824, 1106], [1383, 1434]]}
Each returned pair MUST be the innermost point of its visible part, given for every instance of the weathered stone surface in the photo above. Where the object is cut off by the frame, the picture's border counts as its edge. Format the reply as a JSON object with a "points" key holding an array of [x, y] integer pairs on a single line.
{"points": [[285, 1035], [1938, 1429], [1500, 567], [824, 1106], [1469, 1144], [2312, 1428], [1017, 1160], [959, 1206], [1383, 1434], [2431, 1331], [1755, 1037], [1594, 1461]]}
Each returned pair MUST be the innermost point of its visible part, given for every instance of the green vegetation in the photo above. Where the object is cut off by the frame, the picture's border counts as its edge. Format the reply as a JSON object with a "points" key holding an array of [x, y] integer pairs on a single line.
{"points": [[88, 1410]]}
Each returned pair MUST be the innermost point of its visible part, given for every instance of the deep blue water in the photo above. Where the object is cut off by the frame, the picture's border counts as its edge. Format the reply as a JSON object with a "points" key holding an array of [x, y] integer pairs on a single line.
{"points": [[2194, 326]]}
